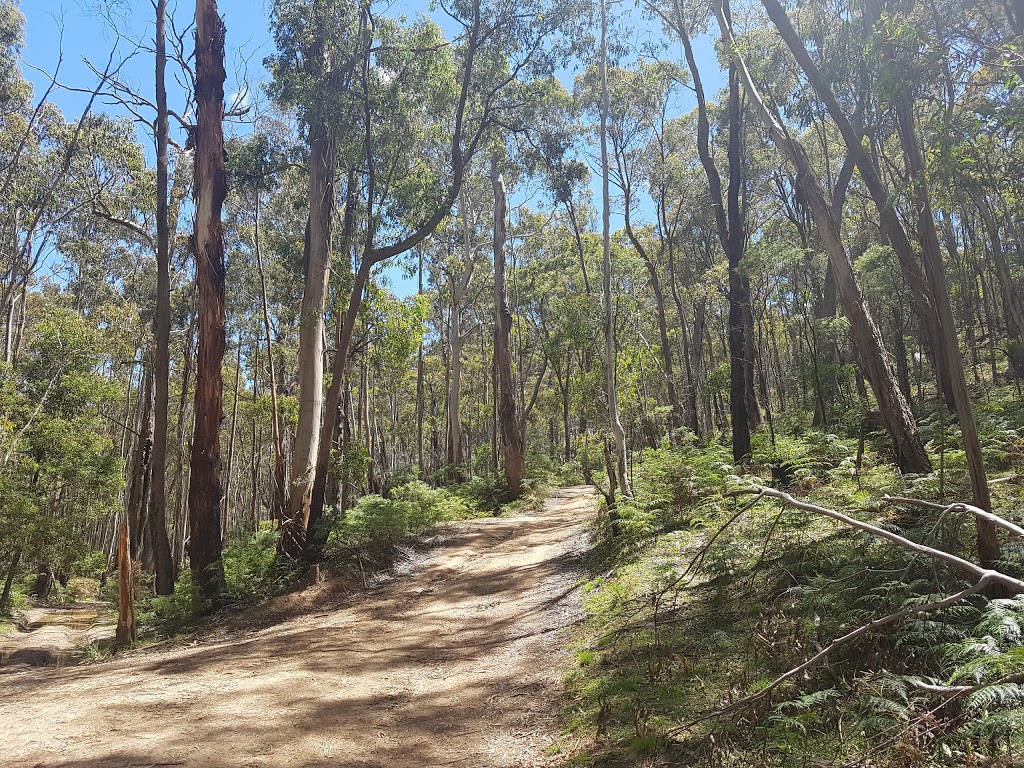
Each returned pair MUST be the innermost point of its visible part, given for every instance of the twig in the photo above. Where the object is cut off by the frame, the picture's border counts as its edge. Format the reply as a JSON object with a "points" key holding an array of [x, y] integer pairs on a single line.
{"points": [[962, 690]]}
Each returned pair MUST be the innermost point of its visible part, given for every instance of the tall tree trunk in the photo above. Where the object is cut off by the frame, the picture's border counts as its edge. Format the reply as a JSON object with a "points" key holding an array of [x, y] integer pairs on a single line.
{"points": [[420, 390], [277, 504], [365, 427], [257, 441], [505, 398], [729, 223], [566, 403], [180, 506], [124, 634], [988, 542], [204, 489], [12, 572], [909, 448], [322, 163], [343, 345], [455, 445], [231, 440], [1013, 306], [676, 415], [738, 293], [890, 224], [9, 330], [459, 287], [610, 358], [141, 466], [164, 564]]}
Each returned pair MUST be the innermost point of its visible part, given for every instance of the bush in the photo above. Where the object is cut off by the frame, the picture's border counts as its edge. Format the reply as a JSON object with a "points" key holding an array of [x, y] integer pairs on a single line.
{"points": [[412, 508], [92, 566], [249, 566], [172, 614], [484, 492]]}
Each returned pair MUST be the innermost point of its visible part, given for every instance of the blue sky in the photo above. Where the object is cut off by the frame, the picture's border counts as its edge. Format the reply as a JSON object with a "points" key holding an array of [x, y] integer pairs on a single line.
{"points": [[80, 31]]}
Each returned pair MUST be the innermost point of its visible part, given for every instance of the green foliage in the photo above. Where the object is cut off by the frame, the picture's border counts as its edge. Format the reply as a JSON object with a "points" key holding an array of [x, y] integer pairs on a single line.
{"points": [[686, 616], [249, 566], [172, 615], [60, 468], [411, 509]]}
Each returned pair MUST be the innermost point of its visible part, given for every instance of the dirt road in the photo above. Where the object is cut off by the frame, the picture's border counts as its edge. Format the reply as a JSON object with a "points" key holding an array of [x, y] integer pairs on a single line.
{"points": [[455, 664], [53, 636]]}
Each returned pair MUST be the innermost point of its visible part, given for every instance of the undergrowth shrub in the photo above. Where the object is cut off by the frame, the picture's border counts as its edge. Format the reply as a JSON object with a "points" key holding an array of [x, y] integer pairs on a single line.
{"points": [[249, 566], [412, 508], [686, 617], [484, 492], [175, 613], [251, 572]]}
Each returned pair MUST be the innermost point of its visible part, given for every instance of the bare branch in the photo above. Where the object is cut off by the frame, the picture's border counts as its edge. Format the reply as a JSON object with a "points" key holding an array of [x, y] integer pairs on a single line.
{"points": [[1016, 586], [958, 507]]}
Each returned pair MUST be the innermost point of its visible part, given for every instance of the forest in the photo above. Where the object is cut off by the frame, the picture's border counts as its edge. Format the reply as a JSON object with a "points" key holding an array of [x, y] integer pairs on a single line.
{"points": [[725, 298]]}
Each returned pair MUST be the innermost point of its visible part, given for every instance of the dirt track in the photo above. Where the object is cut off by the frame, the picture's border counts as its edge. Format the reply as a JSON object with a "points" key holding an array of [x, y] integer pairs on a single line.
{"points": [[455, 664]]}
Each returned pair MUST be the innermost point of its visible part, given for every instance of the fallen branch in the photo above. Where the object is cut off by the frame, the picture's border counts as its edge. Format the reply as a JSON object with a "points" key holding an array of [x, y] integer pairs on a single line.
{"points": [[1016, 586], [957, 507], [983, 578], [951, 691]]}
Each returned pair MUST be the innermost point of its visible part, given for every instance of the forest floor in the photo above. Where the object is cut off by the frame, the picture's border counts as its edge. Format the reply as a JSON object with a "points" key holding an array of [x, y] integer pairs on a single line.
{"points": [[454, 661]]}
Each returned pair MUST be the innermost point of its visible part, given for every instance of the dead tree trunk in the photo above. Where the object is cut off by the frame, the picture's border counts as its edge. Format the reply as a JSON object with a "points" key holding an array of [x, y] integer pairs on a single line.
{"points": [[125, 632]]}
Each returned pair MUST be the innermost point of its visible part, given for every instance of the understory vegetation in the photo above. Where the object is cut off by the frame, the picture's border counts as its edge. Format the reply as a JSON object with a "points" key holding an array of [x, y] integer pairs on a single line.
{"points": [[685, 617]]}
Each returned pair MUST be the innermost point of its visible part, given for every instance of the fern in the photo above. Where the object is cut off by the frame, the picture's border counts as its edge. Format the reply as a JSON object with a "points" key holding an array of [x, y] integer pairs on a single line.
{"points": [[1003, 619], [999, 695], [808, 701]]}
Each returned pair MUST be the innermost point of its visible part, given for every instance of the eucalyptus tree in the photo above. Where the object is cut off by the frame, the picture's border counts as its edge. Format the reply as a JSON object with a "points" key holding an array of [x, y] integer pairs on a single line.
{"points": [[445, 100], [319, 48], [512, 432], [539, 142], [898, 62], [689, 242], [263, 181], [454, 264], [893, 407], [639, 98], [685, 21], [210, 189], [618, 476], [165, 576]]}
